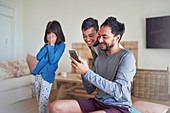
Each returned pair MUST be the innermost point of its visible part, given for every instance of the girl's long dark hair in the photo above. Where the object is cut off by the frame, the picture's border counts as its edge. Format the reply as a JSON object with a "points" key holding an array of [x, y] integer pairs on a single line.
{"points": [[55, 27]]}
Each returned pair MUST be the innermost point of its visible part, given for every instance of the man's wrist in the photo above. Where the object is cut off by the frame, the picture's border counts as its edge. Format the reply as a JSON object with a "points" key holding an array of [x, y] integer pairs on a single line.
{"points": [[85, 72]]}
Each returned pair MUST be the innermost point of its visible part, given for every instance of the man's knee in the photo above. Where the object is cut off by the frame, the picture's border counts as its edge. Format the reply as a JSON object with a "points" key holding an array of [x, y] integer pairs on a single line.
{"points": [[52, 107], [56, 107]]}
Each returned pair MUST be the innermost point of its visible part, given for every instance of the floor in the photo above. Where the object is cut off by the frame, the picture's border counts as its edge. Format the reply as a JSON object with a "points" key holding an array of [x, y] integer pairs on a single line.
{"points": [[30, 105]]}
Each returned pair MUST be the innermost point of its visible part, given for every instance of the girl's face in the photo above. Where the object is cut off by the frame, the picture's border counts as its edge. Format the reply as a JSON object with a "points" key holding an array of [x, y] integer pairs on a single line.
{"points": [[51, 38]]}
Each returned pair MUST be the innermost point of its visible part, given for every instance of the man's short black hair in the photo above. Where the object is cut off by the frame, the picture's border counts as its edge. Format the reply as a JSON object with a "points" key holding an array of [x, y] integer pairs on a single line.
{"points": [[117, 27], [90, 22]]}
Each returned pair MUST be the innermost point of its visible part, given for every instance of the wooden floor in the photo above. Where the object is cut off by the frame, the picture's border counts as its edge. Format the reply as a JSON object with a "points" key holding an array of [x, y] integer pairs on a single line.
{"points": [[30, 105]]}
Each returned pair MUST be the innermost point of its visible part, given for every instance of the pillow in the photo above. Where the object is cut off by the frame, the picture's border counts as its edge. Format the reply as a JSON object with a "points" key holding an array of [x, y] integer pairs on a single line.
{"points": [[23, 66], [149, 107], [18, 68], [135, 110], [11, 69], [4, 69], [32, 62]]}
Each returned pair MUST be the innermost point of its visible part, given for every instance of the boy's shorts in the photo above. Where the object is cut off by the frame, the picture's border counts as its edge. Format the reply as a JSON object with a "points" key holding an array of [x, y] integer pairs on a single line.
{"points": [[91, 105]]}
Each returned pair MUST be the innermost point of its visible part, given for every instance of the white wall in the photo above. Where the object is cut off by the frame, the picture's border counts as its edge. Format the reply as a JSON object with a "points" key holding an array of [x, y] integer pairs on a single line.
{"points": [[71, 13]]}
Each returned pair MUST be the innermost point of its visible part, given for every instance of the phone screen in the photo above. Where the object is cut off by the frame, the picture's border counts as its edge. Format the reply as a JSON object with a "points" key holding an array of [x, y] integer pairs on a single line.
{"points": [[74, 55]]}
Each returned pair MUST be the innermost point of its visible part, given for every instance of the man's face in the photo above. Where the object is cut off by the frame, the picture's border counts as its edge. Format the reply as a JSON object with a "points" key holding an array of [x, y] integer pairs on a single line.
{"points": [[90, 36], [106, 38]]}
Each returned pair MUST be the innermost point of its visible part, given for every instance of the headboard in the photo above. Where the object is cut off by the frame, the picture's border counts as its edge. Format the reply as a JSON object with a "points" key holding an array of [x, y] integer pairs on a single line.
{"points": [[132, 46]]}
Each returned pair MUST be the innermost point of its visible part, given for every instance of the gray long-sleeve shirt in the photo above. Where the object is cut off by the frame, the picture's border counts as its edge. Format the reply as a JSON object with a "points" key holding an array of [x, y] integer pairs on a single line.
{"points": [[112, 77]]}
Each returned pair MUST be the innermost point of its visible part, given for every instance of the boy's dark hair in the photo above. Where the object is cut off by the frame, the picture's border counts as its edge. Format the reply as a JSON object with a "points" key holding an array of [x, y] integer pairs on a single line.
{"points": [[55, 27], [117, 27], [90, 22]]}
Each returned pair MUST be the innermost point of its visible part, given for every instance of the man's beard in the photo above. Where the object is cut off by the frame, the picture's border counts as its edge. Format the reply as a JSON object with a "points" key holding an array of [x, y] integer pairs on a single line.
{"points": [[108, 48]]}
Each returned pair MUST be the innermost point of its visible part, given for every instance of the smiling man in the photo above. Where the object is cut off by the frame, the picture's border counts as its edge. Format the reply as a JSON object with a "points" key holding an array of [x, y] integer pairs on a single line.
{"points": [[112, 76], [90, 29]]}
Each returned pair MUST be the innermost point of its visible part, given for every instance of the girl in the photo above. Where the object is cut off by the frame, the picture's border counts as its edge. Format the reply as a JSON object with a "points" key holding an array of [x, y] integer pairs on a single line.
{"points": [[48, 58]]}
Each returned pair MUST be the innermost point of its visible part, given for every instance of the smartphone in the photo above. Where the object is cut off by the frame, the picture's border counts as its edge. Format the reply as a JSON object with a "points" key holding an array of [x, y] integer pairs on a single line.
{"points": [[74, 55]]}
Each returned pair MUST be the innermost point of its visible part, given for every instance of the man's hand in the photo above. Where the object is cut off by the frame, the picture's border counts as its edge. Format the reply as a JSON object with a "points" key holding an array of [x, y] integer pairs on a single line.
{"points": [[81, 67]]}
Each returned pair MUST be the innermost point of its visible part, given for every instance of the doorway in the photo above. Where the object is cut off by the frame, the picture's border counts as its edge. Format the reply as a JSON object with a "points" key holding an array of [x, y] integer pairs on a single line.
{"points": [[7, 32]]}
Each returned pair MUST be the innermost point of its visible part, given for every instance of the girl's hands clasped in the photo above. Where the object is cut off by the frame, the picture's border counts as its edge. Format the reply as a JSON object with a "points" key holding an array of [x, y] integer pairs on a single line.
{"points": [[51, 38]]}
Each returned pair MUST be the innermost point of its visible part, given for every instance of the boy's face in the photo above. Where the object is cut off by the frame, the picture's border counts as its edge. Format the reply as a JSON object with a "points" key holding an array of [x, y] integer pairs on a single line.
{"points": [[90, 36]]}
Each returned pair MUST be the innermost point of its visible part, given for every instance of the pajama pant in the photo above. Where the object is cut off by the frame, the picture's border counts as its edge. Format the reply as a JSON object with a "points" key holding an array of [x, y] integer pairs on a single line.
{"points": [[43, 89]]}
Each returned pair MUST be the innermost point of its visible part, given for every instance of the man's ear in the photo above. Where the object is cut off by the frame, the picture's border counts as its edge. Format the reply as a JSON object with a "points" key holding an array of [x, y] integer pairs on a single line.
{"points": [[118, 37]]}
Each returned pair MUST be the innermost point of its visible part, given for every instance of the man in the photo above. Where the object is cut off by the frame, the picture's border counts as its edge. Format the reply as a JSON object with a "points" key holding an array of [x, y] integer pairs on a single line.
{"points": [[112, 76], [89, 30]]}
